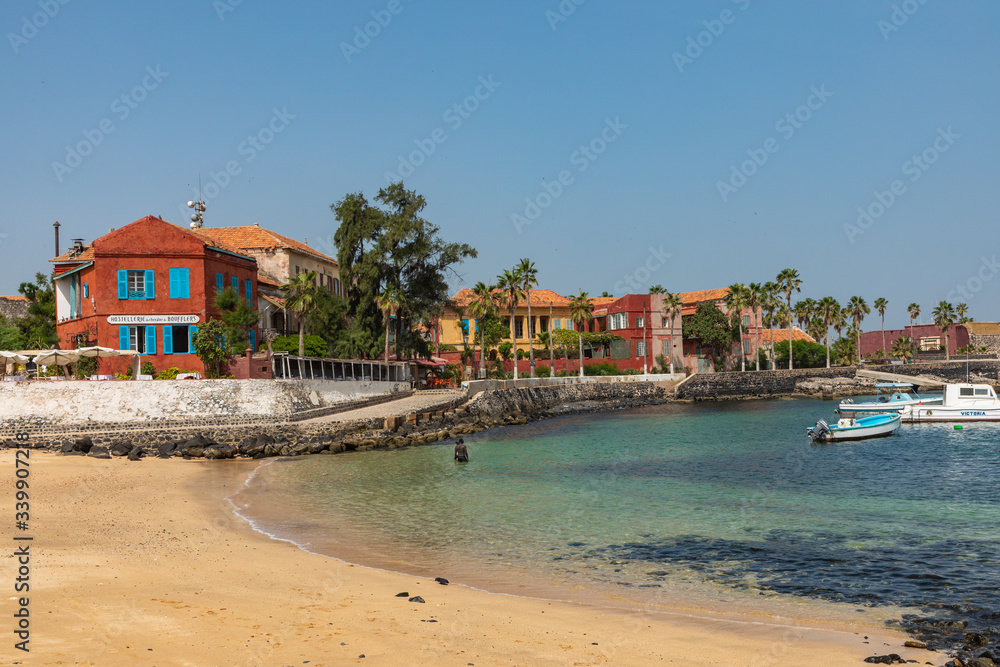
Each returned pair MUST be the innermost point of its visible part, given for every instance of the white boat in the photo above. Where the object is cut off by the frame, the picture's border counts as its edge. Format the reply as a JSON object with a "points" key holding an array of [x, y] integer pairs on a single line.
{"points": [[850, 427], [962, 403], [890, 397]]}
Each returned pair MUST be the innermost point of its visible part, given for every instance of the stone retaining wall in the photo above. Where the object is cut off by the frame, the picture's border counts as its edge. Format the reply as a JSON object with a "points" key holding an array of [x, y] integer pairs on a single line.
{"points": [[502, 402], [82, 406], [768, 384]]}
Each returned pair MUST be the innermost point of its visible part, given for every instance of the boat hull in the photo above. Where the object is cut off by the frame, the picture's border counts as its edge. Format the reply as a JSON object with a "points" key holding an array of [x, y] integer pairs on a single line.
{"points": [[937, 413], [888, 406], [864, 428]]}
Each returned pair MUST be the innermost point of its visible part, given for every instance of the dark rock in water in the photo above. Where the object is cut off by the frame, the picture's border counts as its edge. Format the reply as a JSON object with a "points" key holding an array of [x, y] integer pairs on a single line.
{"points": [[980, 662], [976, 639], [83, 444], [891, 659], [136, 454], [441, 580], [252, 447], [417, 599], [121, 447], [99, 452], [402, 595]]}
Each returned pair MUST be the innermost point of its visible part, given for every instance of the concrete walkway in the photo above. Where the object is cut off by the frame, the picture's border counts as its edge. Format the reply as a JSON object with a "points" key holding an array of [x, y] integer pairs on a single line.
{"points": [[420, 401]]}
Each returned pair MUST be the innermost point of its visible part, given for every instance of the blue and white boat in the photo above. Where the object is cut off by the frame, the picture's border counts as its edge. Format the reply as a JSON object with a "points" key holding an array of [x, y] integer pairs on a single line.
{"points": [[890, 397], [963, 402], [849, 427]]}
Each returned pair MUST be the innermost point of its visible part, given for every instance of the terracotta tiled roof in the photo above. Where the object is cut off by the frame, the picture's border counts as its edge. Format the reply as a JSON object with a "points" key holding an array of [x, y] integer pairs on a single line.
{"points": [[780, 335], [540, 298], [263, 280], [602, 300], [14, 298], [254, 237], [704, 295], [276, 300], [86, 256]]}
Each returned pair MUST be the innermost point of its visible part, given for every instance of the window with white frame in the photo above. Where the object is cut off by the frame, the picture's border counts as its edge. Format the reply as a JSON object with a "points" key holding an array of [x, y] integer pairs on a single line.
{"points": [[640, 322], [640, 348], [136, 281]]}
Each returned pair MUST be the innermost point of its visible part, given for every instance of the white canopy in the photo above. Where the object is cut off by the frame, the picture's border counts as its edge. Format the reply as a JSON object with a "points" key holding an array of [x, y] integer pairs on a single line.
{"points": [[14, 356], [66, 357]]}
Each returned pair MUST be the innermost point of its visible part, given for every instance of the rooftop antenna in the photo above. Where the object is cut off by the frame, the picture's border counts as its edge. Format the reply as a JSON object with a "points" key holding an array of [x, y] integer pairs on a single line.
{"points": [[197, 218]]}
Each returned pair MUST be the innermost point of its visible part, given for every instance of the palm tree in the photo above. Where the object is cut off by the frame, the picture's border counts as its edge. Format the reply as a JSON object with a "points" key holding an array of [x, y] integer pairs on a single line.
{"points": [[736, 299], [671, 307], [914, 310], [805, 310], [301, 298], [529, 279], [657, 289], [769, 303], [482, 305], [880, 306], [509, 282], [581, 310], [857, 309], [754, 295], [960, 310], [816, 327], [788, 280], [902, 348], [388, 302], [944, 317], [828, 309]]}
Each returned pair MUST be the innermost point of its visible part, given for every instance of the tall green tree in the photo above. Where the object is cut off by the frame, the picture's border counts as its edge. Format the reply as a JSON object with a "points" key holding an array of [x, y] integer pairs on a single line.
{"points": [[388, 302], [657, 289], [736, 300], [388, 242], [712, 328], [210, 346], [529, 279], [39, 326], [857, 309], [509, 283], [482, 305], [671, 309], [788, 280], [769, 303], [880, 306], [828, 310], [944, 317], [961, 310], [581, 309], [914, 310], [755, 294], [301, 298]]}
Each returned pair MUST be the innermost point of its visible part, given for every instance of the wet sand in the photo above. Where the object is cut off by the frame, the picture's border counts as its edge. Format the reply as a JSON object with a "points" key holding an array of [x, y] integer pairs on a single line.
{"points": [[145, 563]]}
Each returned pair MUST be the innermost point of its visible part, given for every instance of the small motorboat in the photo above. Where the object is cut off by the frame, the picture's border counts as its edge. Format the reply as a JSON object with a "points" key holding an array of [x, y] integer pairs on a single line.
{"points": [[850, 427], [890, 397], [962, 403]]}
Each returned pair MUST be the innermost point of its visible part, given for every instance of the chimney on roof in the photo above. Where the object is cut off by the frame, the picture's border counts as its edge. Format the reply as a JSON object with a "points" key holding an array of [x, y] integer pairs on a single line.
{"points": [[77, 246], [56, 225]]}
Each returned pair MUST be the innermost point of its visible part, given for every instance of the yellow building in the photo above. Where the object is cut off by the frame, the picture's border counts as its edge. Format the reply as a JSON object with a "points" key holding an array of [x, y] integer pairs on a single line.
{"points": [[548, 311]]}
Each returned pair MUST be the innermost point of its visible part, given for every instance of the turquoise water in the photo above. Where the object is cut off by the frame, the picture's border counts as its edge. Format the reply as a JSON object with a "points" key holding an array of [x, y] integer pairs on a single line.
{"points": [[668, 501]]}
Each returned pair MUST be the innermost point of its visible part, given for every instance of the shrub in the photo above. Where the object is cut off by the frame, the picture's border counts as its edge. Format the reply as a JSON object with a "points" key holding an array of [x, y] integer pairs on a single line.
{"points": [[542, 371], [148, 369], [315, 346], [170, 374]]}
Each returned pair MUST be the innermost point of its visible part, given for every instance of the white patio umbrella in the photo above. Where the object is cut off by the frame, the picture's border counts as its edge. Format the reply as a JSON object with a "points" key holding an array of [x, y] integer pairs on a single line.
{"points": [[57, 358], [97, 351], [14, 356]]}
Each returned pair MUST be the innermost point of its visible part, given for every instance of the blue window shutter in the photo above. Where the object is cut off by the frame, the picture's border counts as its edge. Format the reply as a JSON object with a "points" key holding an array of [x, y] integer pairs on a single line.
{"points": [[150, 340], [122, 338], [172, 273], [168, 339], [192, 330], [249, 293], [218, 282], [123, 285], [253, 340], [86, 291], [184, 283], [150, 288], [236, 285], [72, 296]]}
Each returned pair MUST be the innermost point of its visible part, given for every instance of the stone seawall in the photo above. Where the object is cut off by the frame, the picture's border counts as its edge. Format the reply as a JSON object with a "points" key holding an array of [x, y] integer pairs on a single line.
{"points": [[81, 406], [498, 403], [842, 379]]}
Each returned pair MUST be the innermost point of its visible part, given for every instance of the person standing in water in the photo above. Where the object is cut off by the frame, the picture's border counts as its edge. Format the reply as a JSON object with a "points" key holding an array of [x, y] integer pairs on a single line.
{"points": [[461, 452]]}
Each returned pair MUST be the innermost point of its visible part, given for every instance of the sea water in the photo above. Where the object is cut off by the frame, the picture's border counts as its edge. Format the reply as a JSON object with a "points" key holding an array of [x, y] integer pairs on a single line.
{"points": [[690, 506]]}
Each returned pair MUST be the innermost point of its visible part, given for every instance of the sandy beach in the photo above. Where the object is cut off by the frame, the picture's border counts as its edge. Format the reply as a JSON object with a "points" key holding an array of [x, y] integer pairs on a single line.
{"points": [[145, 563]]}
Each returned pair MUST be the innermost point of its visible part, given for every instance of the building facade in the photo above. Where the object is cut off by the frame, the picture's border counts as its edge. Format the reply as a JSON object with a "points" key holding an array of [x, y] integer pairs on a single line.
{"points": [[146, 287], [928, 337], [279, 258]]}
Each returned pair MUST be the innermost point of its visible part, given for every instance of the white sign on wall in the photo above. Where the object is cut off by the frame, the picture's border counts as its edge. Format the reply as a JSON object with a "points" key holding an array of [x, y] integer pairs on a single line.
{"points": [[153, 319]]}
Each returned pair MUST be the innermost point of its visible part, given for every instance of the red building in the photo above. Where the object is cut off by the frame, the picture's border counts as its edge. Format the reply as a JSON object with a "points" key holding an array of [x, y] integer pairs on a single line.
{"points": [[928, 337], [146, 287]]}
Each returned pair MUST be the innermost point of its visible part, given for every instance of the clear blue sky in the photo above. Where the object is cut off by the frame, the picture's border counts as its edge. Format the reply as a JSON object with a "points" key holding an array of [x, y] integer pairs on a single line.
{"points": [[225, 72]]}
